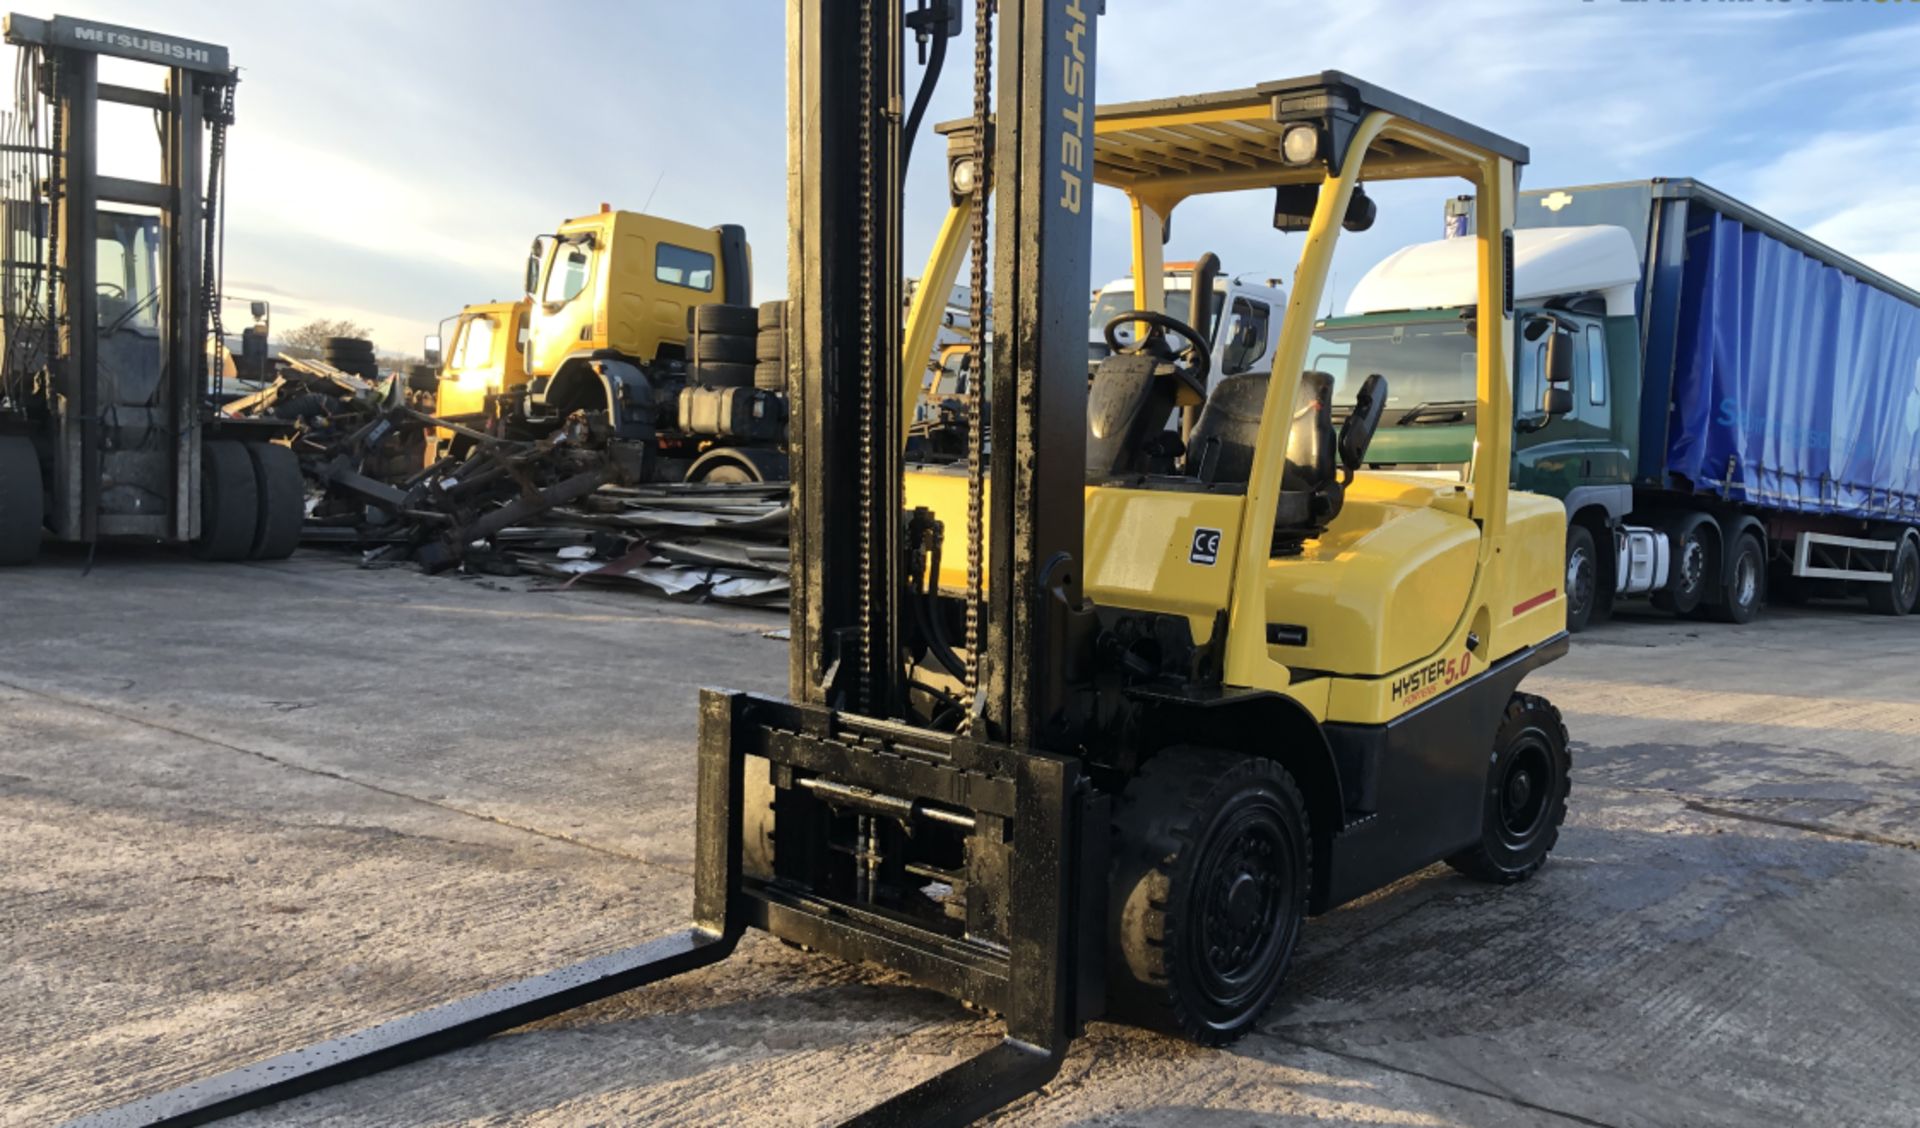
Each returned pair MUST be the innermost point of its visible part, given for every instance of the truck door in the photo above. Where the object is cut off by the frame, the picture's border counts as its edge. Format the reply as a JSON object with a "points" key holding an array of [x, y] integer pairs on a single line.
{"points": [[561, 322], [1555, 455], [1246, 338]]}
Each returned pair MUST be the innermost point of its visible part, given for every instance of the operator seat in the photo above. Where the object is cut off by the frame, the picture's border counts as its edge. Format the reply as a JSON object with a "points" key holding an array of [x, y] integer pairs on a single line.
{"points": [[1220, 450]]}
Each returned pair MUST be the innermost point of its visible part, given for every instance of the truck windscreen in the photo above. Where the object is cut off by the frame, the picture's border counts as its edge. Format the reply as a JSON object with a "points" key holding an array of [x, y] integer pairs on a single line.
{"points": [[1427, 365], [1113, 303]]}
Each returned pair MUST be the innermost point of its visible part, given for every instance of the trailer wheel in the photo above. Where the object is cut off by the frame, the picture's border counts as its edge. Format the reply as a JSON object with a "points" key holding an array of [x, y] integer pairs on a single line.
{"points": [[229, 502], [1692, 569], [1745, 588], [1211, 876], [1897, 598], [1528, 780], [282, 494], [22, 504], [1583, 577]]}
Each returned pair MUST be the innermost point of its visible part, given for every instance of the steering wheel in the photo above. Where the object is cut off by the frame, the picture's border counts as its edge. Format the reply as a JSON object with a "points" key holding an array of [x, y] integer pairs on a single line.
{"points": [[1356, 434], [1192, 363], [109, 290]]}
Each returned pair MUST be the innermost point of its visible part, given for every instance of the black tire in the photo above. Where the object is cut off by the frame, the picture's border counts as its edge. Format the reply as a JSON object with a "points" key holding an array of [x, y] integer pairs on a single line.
{"points": [[229, 502], [716, 317], [772, 315], [22, 501], [1211, 878], [725, 348], [1583, 578], [726, 474], [723, 375], [282, 501], [1898, 597], [1743, 591], [1693, 564], [349, 346], [771, 344], [770, 376], [1529, 775]]}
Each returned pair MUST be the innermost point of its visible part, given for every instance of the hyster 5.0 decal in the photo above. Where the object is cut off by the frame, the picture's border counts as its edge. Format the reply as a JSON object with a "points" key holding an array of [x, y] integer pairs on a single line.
{"points": [[1430, 679]]}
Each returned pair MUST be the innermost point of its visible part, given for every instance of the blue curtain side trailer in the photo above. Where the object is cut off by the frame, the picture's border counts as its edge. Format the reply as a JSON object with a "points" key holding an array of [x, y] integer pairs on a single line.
{"points": [[1780, 401]]}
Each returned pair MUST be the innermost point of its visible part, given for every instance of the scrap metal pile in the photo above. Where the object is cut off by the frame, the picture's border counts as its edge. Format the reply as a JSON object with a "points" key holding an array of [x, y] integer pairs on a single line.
{"points": [[571, 505]]}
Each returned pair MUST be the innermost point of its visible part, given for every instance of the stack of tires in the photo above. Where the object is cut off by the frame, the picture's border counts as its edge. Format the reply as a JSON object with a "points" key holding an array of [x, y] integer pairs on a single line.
{"points": [[770, 349], [352, 355], [723, 345]]}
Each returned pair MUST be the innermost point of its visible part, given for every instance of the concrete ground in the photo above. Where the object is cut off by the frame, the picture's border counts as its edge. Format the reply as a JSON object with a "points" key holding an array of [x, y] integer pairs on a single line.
{"points": [[243, 808]]}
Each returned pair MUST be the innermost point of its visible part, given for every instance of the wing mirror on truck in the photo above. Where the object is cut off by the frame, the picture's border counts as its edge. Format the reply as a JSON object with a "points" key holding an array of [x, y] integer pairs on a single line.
{"points": [[430, 352], [1556, 371]]}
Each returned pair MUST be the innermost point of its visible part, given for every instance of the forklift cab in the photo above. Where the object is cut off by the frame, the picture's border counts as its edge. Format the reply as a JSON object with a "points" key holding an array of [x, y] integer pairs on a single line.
{"points": [[1283, 555]]}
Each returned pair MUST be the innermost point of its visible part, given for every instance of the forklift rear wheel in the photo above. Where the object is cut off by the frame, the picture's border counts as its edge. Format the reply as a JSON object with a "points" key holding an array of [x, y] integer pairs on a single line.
{"points": [[1897, 598], [229, 502], [22, 503], [282, 495], [1583, 577], [1528, 780], [1212, 858]]}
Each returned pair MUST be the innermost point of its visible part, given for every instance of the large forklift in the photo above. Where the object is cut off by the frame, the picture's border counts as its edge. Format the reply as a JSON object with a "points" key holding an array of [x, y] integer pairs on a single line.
{"points": [[109, 305], [1190, 684]]}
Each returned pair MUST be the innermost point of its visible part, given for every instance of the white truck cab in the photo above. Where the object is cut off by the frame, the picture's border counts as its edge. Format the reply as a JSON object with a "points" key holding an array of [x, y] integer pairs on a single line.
{"points": [[1245, 342]]}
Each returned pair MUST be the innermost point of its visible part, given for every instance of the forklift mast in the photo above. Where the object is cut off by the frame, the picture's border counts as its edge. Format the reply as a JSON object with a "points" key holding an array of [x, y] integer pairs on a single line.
{"points": [[114, 371], [844, 209]]}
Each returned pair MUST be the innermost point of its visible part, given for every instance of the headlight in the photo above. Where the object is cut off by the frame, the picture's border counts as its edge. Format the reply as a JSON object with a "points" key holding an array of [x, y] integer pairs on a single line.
{"points": [[1300, 144], [965, 174]]}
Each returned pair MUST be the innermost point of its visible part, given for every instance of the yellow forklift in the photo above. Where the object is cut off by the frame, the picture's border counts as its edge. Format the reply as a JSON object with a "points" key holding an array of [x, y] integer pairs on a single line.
{"points": [[1097, 741]]}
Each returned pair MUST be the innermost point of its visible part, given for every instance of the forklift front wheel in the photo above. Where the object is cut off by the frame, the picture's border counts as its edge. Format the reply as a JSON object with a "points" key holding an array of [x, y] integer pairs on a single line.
{"points": [[21, 501], [1528, 780], [1211, 877], [229, 502]]}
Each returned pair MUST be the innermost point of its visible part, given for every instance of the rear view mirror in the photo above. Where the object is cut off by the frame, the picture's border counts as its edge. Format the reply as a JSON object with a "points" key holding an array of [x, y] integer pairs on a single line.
{"points": [[431, 350], [1556, 394]]}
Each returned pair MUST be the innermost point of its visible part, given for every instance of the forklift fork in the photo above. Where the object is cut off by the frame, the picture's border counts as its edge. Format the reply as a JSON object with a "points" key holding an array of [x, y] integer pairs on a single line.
{"points": [[1044, 1006]]}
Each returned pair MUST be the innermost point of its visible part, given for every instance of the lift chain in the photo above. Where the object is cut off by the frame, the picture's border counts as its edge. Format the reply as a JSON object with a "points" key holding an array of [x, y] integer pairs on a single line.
{"points": [[211, 272], [868, 374], [976, 357]]}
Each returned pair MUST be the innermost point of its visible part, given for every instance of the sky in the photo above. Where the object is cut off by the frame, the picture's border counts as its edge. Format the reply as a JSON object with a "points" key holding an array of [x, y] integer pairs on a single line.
{"points": [[392, 160]]}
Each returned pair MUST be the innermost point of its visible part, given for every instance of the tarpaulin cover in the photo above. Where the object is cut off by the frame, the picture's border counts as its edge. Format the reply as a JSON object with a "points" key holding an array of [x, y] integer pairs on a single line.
{"points": [[1797, 386]]}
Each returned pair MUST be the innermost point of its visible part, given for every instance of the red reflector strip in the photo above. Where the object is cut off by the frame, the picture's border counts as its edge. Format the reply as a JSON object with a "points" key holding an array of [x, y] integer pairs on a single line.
{"points": [[1543, 598]]}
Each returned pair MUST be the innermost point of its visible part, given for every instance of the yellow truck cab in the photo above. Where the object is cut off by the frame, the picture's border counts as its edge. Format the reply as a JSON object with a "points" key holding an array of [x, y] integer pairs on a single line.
{"points": [[639, 320], [486, 355], [623, 282]]}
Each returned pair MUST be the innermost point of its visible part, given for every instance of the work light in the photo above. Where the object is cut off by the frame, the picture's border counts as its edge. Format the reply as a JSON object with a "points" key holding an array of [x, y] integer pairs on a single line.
{"points": [[1300, 144]]}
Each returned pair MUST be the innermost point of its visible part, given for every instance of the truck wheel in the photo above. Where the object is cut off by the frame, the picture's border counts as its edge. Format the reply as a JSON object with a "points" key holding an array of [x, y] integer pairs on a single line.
{"points": [[1211, 876], [22, 504], [713, 374], [1583, 578], [229, 502], [1692, 567], [282, 494], [1897, 598], [1745, 588], [1528, 779]]}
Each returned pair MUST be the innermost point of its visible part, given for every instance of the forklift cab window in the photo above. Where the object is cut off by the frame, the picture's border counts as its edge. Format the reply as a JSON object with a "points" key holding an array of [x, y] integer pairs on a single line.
{"points": [[1246, 340], [572, 265], [125, 265], [679, 266]]}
